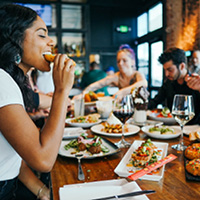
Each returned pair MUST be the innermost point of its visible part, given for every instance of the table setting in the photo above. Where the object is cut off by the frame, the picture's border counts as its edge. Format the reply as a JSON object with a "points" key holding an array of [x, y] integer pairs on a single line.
{"points": [[117, 168]]}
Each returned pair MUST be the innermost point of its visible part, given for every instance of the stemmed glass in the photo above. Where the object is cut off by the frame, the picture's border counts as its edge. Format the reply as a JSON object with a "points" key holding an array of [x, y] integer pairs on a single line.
{"points": [[183, 112], [123, 109]]}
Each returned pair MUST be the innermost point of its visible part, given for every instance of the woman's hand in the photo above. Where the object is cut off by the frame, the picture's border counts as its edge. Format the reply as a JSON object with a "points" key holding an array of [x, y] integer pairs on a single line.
{"points": [[121, 93], [63, 73], [193, 81]]}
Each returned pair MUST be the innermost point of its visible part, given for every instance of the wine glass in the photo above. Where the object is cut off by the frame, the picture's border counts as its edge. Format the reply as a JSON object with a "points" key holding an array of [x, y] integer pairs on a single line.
{"points": [[183, 112], [123, 109]]}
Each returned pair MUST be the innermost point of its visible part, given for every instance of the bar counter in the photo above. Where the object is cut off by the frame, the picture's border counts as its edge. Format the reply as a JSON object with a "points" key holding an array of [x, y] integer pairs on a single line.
{"points": [[172, 186]]}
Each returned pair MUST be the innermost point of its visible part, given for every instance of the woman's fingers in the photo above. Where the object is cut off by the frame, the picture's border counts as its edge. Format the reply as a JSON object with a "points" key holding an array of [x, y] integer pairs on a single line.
{"points": [[63, 72]]}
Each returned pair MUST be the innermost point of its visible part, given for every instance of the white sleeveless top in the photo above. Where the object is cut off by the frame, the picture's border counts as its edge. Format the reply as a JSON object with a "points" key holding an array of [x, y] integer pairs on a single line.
{"points": [[10, 161]]}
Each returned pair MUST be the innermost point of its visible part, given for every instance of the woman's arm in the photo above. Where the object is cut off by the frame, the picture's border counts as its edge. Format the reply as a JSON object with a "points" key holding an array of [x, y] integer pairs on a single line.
{"points": [[140, 81], [39, 150], [29, 179], [109, 80]]}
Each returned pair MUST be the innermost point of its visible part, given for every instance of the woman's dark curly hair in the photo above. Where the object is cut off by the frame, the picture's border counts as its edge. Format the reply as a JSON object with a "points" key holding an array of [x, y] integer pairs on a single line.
{"points": [[175, 54], [15, 20]]}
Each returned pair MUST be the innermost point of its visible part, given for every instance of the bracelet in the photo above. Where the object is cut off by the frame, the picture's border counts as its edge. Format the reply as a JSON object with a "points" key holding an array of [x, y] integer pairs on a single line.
{"points": [[40, 190]]}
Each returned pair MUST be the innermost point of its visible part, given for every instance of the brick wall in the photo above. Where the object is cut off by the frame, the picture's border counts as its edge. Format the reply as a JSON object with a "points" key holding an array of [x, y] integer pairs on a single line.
{"points": [[183, 24]]}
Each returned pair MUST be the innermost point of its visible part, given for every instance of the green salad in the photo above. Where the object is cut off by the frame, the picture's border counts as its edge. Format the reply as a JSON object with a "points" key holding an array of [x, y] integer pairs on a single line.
{"points": [[161, 129]]}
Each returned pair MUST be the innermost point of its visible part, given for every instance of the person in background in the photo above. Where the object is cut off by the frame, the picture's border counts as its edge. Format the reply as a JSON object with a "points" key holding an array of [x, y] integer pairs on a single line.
{"points": [[195, 67], [92, 76], [110, 70], [175, 66], [23, 41], [126, 79]]}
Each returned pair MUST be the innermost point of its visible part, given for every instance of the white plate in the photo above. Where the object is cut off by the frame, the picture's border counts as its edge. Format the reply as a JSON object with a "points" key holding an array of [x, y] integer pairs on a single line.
{"points": [[100, 189], [106, 98], [87, 155], [146, 123], [124, 171], [190, 128], [132, 129], [92, 103], [83, 125], [176, 133], [73, 132], [165, 120]]}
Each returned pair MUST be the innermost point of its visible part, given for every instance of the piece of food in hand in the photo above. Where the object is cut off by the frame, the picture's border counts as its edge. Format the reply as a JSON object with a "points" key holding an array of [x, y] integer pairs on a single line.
{"points": [[193, 151], [193, 167], [51, 57]]}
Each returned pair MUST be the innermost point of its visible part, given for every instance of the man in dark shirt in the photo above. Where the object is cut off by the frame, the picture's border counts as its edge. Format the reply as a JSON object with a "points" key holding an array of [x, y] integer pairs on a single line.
{"points": [[175, 67]]}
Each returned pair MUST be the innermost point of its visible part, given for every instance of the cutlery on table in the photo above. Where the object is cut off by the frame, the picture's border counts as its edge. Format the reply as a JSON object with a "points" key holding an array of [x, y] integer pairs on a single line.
{"points": [[81, 175], [131, 194]]}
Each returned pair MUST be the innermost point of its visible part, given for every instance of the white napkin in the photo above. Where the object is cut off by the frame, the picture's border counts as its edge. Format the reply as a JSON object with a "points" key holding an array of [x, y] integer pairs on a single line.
{"points": [[87, 191], [73, 132]]}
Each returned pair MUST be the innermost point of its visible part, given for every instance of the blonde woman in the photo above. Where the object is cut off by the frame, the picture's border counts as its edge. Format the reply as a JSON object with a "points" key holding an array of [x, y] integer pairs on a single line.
{"points": [[125, 79]]}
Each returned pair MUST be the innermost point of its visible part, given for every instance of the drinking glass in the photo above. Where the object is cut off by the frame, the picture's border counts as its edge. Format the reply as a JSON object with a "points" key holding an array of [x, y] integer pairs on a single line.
{"points": [[183, 112], [123, 110]]}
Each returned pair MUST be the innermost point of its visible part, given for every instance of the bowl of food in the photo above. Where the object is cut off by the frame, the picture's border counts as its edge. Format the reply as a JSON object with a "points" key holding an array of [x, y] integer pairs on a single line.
{"points": [[163, 115]]}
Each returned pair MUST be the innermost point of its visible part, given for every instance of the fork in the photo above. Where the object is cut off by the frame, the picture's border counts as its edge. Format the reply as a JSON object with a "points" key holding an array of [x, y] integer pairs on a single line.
{"points": [[81, 175]]}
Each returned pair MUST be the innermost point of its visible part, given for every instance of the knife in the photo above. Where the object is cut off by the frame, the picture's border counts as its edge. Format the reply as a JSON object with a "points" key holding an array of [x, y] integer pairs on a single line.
{"points": [[131, 194]]}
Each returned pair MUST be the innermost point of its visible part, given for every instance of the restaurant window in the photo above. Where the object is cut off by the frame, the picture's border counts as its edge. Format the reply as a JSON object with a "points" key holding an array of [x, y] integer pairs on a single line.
{"points": [[71, 17], [155, 17], [150, 21], [143, 58], [150, 32], [156, 67], [142, 25]]}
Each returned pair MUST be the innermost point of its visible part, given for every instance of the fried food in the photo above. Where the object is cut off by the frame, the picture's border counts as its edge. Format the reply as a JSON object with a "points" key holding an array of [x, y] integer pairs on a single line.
{"points": [[87, 98], [51, 57], [111, 128], [193, 167], [91, 96], [193, 151]]}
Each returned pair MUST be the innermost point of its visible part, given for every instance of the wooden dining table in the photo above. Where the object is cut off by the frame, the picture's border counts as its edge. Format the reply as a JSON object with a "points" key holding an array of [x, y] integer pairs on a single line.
{"points": [[173, 185]]}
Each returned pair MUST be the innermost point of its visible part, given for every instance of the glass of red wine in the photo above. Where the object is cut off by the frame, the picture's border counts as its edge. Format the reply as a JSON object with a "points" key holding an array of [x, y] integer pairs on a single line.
{"points": [[123, 109]]}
